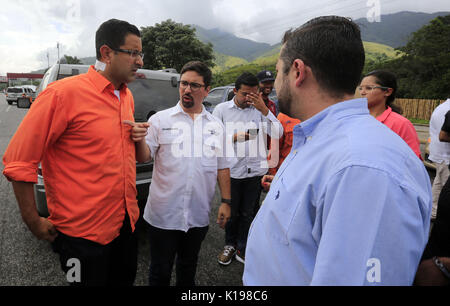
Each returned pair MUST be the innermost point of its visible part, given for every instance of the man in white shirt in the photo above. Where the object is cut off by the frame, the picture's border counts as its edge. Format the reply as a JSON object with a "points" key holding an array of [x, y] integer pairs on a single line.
{"points": [[439, 153], [186, 143], [248, 121]]}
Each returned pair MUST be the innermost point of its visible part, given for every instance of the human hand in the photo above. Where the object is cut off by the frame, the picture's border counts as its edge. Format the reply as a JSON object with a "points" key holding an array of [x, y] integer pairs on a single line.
{"points": [[257, 101], [43, 229], [139, 130], [224, 215], [241, 137], [266, 181]]}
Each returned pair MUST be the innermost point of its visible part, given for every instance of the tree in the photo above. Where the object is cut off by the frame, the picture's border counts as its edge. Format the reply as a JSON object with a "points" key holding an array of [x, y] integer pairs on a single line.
{"points": [[171, 45], [72, 60], [424, 69]]}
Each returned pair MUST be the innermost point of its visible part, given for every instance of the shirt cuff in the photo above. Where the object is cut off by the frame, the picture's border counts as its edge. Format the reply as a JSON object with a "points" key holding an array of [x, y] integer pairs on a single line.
{"points": [[21, 172]]}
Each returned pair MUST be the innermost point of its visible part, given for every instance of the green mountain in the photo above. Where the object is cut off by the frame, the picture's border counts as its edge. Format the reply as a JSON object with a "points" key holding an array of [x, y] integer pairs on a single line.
{"points": [[394, 29], [268, 60], [380, 39], [229, 44], [224, 62]]}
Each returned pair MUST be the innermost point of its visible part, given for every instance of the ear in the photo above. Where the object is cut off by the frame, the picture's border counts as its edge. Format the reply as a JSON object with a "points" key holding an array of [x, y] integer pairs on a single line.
{"points": [[299, 70], [106, 53], [388, 92]]}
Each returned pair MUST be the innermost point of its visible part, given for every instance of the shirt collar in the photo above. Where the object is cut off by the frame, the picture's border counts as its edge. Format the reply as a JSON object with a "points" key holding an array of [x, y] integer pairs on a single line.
{"points": [[233, 105], [177, 109], [384, 115], [332, 113], [100, 82]]}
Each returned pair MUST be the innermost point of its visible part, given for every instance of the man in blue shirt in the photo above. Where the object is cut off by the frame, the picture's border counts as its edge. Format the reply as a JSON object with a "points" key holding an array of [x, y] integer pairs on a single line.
{"points": [[351, 203]]}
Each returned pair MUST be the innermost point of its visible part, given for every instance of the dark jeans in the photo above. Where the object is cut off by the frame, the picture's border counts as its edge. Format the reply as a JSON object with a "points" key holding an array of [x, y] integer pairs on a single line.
{"points": [[245, 195], [439, 240], [114, 264], [165, 245]]}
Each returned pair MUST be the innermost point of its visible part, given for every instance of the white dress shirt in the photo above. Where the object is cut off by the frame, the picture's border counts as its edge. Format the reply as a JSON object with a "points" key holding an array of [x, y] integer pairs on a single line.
{"points": [[187, 155], [439, 151], [250, 157]]}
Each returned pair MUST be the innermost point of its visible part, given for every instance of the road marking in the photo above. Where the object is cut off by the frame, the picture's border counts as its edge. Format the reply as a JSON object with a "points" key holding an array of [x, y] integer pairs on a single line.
{"points": [[8, 108]]}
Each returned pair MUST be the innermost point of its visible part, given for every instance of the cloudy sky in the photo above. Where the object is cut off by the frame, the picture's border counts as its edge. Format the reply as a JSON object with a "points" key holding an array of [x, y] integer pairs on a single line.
{"points": [[30, 29]]}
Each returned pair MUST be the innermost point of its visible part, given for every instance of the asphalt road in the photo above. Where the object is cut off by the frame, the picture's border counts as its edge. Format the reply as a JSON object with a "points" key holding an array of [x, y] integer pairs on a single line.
{"points": [[25, 261]]}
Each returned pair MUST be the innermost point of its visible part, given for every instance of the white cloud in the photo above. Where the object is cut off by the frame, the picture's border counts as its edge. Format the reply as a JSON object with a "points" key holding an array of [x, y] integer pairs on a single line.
{"points": [[31, 28]]}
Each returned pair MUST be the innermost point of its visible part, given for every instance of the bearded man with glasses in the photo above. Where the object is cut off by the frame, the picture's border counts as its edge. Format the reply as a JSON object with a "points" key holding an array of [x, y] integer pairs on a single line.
{"points": [[186, 143]]}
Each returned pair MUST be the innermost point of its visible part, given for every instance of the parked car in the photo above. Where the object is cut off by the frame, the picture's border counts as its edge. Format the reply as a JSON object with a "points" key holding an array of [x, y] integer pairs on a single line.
{"points": [[13, 94], [218, 95], [153, 91]]}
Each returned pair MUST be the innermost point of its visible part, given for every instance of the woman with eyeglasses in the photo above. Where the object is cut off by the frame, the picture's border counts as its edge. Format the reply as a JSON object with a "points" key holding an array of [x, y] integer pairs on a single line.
{"points": [[380, 87]]}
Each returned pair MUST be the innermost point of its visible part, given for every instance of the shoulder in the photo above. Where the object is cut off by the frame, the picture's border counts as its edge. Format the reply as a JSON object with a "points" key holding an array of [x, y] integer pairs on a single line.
{"points": [[222, 106], [72, 83], [397, 121]]}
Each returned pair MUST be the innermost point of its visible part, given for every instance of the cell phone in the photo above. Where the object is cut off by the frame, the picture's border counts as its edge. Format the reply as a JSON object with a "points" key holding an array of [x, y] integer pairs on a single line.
{"points": [[252, 131]]}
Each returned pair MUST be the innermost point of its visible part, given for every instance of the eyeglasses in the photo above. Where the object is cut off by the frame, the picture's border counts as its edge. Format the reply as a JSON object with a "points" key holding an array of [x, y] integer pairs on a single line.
{"points": [[194, 86], [368, 88], [133, 53]]}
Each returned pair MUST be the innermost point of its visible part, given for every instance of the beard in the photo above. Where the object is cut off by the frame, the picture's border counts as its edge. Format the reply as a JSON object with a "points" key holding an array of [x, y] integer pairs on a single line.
{"points": [[285, 99], [189, 102]]}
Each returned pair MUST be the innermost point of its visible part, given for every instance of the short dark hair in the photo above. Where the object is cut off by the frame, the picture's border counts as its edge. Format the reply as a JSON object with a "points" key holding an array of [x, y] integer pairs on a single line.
{"points": [[247, 79], [113, 33], [201, 68], [332, 47], [387, 79]]}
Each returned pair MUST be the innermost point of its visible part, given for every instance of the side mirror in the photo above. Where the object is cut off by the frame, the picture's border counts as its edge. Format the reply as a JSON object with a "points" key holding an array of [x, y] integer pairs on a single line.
{"points": [[23, 103], [174, 82]]}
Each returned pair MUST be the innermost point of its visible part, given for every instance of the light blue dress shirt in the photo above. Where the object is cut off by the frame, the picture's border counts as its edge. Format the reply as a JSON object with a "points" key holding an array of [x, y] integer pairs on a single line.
{"points": [[350, 205]]}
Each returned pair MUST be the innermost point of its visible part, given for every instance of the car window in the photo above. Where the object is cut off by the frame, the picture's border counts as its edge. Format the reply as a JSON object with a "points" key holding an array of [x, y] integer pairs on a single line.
{"points": [[151, 96], [215, 96], [15, 90], [230, 94]]}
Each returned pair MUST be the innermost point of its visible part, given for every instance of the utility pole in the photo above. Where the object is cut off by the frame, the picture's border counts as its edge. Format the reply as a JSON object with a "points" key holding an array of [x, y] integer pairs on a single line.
{"points": [[57, 46]]}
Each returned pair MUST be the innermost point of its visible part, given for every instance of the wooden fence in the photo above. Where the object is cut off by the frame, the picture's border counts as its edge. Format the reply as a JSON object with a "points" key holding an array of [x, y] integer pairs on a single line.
{"points": [[417, 108]]}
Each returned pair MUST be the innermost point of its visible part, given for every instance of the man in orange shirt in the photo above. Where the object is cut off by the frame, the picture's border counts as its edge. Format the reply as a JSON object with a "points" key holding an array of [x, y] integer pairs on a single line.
{"points": [[76, 130], [284, 148]]}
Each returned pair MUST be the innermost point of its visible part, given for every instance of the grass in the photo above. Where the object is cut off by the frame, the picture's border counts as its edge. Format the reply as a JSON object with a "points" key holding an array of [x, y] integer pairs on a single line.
{"points": [[419, 121]]}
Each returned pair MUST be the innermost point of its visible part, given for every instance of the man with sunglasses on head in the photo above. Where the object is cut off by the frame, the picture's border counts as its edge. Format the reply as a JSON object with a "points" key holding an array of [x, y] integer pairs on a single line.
{"points": [[187, 145], [75, 129]]}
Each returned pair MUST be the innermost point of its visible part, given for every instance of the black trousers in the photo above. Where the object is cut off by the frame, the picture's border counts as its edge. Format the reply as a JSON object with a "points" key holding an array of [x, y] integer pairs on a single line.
{"points": [[439, 240], [165, 245], [114, 264], [245, 194]]}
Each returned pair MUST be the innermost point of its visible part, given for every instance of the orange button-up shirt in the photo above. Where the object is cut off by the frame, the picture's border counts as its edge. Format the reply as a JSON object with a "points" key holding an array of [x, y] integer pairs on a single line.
{"points": [[75, 129], [285, 146]]}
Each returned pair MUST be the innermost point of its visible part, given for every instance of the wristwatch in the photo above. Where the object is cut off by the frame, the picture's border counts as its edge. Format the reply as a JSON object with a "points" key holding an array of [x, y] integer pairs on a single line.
{"points": [[441, 267], [228, 201]]}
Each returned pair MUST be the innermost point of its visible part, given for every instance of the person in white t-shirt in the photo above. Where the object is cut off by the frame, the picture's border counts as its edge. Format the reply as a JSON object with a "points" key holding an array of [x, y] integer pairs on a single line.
{"points": [[439, 152]]}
